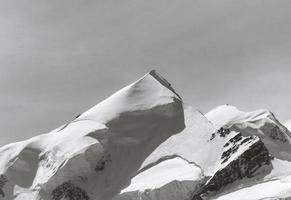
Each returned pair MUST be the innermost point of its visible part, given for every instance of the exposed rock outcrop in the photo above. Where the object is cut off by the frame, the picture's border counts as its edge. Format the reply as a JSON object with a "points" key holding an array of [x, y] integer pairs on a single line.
{"points": [[3, 181], [69, 191], [242, 158]]}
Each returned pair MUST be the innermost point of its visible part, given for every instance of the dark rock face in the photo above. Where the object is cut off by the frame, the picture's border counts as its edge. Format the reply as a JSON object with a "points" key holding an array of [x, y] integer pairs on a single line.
{"points": [[222, 132], [69, 191], [102, 162], [234, 144], [245, 166], [277, 134], [3, 181], [253, 156]]}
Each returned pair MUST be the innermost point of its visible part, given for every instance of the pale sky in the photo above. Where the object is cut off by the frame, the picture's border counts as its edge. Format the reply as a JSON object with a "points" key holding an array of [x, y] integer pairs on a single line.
{"points": [[60, 57]]}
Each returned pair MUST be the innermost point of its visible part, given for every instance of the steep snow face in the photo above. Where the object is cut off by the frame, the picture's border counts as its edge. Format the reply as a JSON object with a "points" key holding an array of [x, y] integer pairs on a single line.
{"points": [[188, 159], [148, 92], [95, 155], [143, 143], [207, 160], [192, 142], [173, 171]]}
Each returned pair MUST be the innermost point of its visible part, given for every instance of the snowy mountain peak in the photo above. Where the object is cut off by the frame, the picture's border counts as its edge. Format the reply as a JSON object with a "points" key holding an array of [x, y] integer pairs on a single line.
{"points": [[150, 91], [144, 143], [228, 114], [163, 81], [259, 122], [95, 155]]}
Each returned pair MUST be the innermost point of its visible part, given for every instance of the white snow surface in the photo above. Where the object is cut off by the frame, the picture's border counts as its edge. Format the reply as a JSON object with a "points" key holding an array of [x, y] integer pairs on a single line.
{"points": [[143, 143], [192, 142], [263, 124], [163, 173], [287, 124], [268, 190], [95, 155], [148, 92], [173, 170], [170, 179], [228, 114]]}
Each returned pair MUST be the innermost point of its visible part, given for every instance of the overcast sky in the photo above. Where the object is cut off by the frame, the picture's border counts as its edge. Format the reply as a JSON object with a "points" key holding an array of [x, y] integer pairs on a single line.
{"points": [[59, 58]]}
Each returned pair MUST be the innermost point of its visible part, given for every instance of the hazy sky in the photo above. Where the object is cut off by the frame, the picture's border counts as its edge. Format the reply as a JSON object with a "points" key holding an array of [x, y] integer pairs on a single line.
{"points": [[59, 58]]}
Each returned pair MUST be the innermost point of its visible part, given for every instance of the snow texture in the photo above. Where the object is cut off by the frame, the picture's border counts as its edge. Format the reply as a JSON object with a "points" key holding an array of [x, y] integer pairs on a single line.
{"points": [[144, 143]]}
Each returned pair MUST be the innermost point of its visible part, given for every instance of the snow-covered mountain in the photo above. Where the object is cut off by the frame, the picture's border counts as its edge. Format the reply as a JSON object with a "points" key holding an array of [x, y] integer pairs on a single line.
{"points": [[261, 151], [287, 124], [144, 143]]}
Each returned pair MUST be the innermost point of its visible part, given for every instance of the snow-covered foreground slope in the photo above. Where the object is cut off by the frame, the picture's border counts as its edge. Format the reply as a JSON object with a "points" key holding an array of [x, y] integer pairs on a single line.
{"points": [[143, 143], [268, 190], [171, 179]]}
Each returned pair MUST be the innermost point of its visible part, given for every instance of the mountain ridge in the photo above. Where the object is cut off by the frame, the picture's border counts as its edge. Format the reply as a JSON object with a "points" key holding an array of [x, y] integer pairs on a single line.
{"points": [[144, 143]]}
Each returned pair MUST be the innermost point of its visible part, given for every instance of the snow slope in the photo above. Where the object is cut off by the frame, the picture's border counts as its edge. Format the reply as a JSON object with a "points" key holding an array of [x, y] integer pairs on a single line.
{"points": [[144, 143], [287, 124], [259, 122], [171, 179], [95, 155], [200, 144], [268, 190], [275, 139], [173, 170]]}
